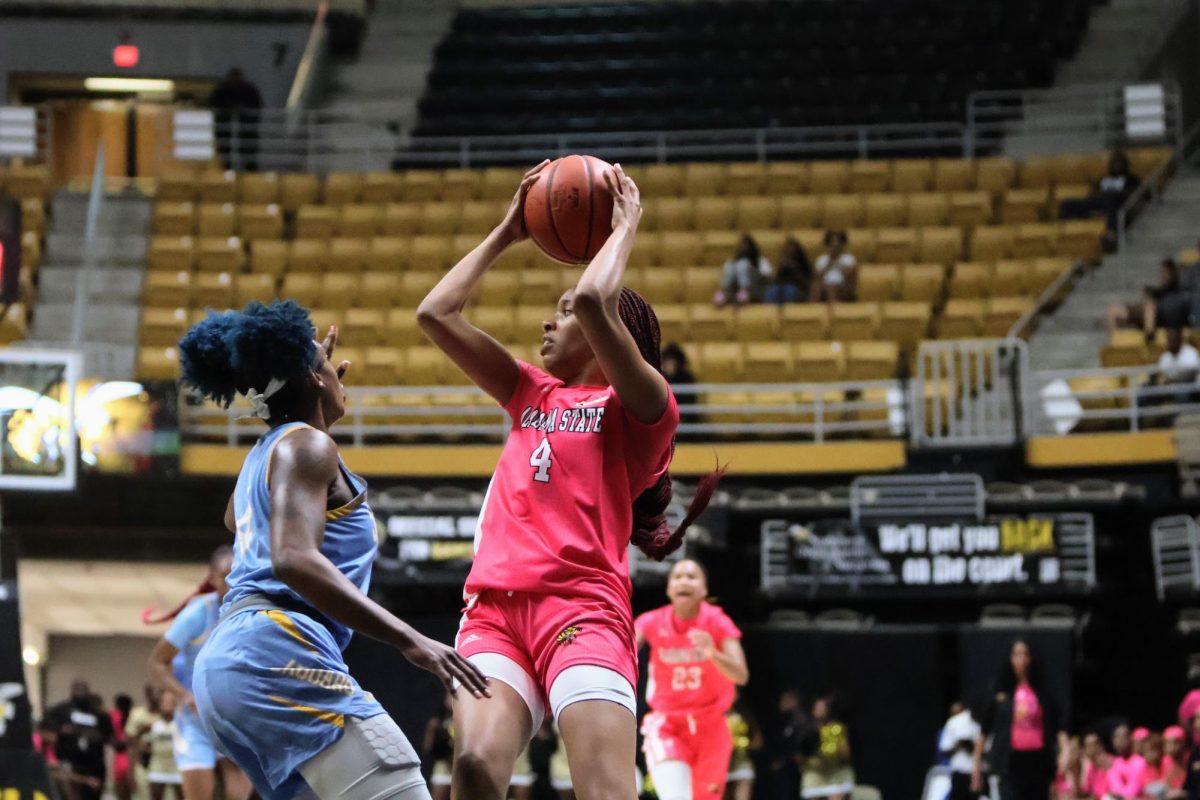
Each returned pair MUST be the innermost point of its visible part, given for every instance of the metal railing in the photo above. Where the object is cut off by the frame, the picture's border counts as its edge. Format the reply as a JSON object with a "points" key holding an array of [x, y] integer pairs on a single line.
{"points": [[1175, 547], [1057, 289], [1061, 402], [967, 392]]}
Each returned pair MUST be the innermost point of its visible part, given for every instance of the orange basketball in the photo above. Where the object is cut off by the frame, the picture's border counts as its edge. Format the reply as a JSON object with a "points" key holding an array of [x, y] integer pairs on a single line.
{"points": [[568, 210]]}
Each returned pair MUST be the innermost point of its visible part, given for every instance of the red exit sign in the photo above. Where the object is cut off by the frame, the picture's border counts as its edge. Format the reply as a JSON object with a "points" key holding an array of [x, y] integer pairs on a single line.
{"points": [[126, 55]]}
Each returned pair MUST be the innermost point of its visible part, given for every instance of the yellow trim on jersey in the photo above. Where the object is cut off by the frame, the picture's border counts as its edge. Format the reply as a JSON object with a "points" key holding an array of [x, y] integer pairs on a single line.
{"points": [[271, 452], [342, 511], [289, 626], [334, 719]]}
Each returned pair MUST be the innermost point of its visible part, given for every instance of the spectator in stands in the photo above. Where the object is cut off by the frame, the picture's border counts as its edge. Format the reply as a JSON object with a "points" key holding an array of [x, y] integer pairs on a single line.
{"points": [[828, 772], [792, 281], [743, 276], [1108, 195], [1095, 769], [1145, 313], [837, 270], [956, 744], [1179, 363], [1069, 783], [1175, 755], [747, 741], [789, 740], [122, 767], [237, 106], [81, 732], [1160, 768], [675, 365], [1022, 721], [1127, 771]]}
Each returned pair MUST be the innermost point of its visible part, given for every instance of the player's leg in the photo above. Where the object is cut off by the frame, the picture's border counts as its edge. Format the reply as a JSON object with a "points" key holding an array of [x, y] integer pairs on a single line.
{"points": [[491, 732], [195, 757], [595, 708], [234, 782], [666, 757], [372, 761], [712, 745], [198, 784]]}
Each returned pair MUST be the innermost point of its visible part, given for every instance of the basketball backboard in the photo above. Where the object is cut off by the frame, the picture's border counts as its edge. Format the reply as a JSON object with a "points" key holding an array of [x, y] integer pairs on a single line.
{"points": [[38, 442]]}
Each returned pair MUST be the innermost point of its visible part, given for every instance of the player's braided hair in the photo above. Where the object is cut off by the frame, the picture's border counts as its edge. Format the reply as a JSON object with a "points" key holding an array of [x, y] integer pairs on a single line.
{"points": [[651, 533], [150, 616]]}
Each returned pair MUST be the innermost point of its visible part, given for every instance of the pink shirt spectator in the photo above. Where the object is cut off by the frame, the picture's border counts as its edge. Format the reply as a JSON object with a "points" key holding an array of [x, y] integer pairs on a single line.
{"points": [[1173, 773], [1095, 780], [1126, 776], [1027, 731], [1188, 708]]}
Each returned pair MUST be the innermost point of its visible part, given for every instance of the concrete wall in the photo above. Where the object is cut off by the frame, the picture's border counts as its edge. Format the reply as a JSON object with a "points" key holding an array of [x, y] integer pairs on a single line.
{"points": [[268, 52], [110, 664]]}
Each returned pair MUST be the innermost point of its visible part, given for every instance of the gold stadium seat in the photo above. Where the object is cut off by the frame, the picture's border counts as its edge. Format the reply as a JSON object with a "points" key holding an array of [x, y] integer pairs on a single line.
{"points": [[220, 254], [1045, 271], [1127, 348], [745, 179], [940, 245], [722, 362], [803, 321], [380, 187], [268, 257], [1036, 172], [990, 242], [713, 213], [770, 242], [378, 289], [767, 362], [757, 323], [540, 287], [342, 188], [662, 180], [871, 361], [670, 213], [864, 243], [359, 220], [157, 363], [953, 174], [718, 246], [961, 319], [338, 289], [842, 211], [787, 178], [499, 288], [851, 321], [163, 327], [460, 184], [971, 280], [348, 255], [679, 248], [175, 187], [529, 322], [462, 244], [33, 214], [388, 254], [661, 285], [878, 282], [1144, 160], [928, 208], [703, 178], [673, 321], [500, 183], [886, 210], [257, 222], [257, 286], [167, 288], [308, 255], [415, 285], [820, 362], [711, 324], [813, 242], [401, 327], [911, 175], [870, 176], [906, 323], [316, 222], [432, 253], [440, 219], [297, 190], [258, 188], [1078, 169], [400, 219], [922, 282], [1009, 277], [31, 251], [171, 253], [497, 321], [757, 212], [1002, 313], [1068, 191], [174, 218], [893, 244], [828, 177], [218, 186], [995, 174], [216, 219], [1080, 238], [364, 326], [418, 186], [646, 250], [1025, 205], [1035, 239], [480, 216], [383, 366], [303, 287], [213, 290], [969, 209], [800, 211]]}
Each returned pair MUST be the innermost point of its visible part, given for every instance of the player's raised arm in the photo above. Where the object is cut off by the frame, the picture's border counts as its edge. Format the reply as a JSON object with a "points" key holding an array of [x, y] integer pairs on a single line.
{"points": [[484, 360], [641, 389]]}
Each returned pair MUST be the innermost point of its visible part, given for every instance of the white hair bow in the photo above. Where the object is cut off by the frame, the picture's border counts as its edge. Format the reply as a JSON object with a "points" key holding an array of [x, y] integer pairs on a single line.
{"points": [[258, 400]]}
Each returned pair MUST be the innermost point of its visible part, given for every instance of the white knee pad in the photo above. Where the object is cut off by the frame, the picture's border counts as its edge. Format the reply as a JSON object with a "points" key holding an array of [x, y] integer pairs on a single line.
{"points": [[672, 780], [503, 668], [372, 761], [586, 682]]}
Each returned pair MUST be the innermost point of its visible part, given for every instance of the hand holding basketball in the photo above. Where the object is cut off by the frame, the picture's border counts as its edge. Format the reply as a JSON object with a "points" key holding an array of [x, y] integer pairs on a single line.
{"points": [[568, 212], [513, 224], [627, 199]]}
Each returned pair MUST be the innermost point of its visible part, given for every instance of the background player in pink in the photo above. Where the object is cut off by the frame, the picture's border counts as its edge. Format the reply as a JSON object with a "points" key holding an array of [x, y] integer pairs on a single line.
{"points": [[696, 660], [583, 472]]}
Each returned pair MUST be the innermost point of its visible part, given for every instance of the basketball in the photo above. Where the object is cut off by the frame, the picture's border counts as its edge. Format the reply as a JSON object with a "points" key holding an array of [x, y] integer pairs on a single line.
{"points": [[568, 211]]}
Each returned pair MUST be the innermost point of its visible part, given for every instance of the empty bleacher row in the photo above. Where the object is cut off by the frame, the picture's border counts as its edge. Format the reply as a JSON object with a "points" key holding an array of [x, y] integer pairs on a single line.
{"points": [[637, 66], [29, 184]]}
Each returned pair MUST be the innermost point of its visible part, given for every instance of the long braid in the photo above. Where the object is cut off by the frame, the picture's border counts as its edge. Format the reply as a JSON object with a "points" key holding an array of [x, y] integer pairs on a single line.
{"points": [[651, 533], [152, 616]]}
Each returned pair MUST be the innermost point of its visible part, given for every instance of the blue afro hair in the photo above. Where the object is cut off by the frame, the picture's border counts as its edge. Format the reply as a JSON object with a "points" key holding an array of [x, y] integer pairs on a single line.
{"points": [[231, 351]]}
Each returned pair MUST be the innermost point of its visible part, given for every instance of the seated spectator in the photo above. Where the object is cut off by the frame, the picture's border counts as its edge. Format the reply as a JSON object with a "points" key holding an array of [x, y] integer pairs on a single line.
{"points": [[1126, 772], [1108, 195], [792, 282], [1069, 781], [1180, 362], [675, 366], [1174, 758], [744, 275], [1096, 764], [829, 771], [1155, 777], [956, 745], [1145, 314], [837, 270]]}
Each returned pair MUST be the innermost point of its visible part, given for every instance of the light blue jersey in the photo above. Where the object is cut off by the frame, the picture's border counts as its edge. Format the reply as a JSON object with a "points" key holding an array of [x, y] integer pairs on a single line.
{"points": [[271, 685], [188, 633]]}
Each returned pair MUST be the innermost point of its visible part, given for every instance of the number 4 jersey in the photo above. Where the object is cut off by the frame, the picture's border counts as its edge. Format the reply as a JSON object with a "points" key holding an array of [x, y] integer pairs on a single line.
{"points": [[558, 516], [681, 679]]}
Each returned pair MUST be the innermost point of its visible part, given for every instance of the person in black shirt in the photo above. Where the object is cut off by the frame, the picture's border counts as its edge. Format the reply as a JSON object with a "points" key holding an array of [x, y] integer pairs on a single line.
{"points": [[80, 731], [793, 738], [1108, 195], [1147, 313], [237, 103]]}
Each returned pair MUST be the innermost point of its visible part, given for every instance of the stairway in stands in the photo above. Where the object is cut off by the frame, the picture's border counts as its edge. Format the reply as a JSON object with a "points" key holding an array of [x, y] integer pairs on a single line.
{"points": [[113, 298], [1074, 334]]}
